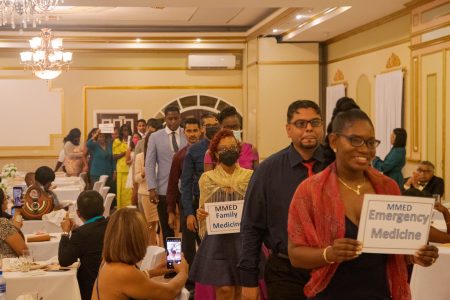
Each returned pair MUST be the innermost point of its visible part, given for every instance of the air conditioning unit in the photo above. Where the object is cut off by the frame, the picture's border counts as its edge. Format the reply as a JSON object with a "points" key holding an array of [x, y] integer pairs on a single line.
{"points": [[211, 61]]}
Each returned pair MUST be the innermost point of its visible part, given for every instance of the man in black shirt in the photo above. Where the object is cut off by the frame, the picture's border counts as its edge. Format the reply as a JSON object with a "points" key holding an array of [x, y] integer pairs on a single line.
{"points": [[423, 182], [269, 194], [85, 242]]}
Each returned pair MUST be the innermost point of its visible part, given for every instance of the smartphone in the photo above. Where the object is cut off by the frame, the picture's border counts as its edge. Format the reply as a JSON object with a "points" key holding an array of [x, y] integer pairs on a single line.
{"points": [[173, 251], [17, 195]]}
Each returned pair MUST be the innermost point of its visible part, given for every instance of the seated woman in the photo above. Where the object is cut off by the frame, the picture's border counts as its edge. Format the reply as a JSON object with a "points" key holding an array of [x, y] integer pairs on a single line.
{"points": [[395, 160], [125, 244], [218, 255], [12, 242], [324, 217]]}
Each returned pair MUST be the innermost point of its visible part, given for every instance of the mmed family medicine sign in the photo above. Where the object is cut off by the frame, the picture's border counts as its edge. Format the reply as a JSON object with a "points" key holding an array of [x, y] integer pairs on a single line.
{"points": [[394, 224], [224, 217]]}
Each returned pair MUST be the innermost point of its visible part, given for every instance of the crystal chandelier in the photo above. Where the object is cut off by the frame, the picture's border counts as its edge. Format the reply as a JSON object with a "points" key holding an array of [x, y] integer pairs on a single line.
{"points": [[28, 11], [46, 59]]}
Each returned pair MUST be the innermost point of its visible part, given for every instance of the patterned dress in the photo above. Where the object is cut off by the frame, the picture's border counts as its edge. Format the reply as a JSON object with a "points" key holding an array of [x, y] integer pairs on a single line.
{"points": [[6, 229]]}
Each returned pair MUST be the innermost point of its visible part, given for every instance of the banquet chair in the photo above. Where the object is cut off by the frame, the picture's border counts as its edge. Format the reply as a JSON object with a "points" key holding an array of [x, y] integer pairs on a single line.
{"points": [[98, 186], [84, 176], [152, 257], [104, 191], [107, 204], [103, 178]]}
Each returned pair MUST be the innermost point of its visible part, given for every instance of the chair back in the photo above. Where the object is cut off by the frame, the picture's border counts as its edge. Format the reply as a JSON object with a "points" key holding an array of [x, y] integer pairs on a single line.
{"points": [[152, 257], [97, 186], [103, 178], [104, 191], [107, 204]]}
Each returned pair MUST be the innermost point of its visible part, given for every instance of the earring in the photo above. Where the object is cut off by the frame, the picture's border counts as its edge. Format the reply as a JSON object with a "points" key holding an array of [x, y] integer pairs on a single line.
{"points": [[334, 150]]}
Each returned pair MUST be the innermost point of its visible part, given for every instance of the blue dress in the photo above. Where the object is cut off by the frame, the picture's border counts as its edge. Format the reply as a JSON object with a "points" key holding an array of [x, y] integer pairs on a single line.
{"points": [[392, 165]]}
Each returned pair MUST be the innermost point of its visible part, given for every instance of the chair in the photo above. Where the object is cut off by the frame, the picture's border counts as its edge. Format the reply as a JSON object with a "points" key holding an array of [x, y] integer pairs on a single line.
{"points": [[103, 178], [104, 191], [107, 204], [152, 257], [84, 177], [97, 186]]}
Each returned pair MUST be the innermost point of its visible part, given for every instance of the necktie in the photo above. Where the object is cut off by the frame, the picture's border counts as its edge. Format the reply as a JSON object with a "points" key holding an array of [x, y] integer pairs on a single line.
{"points": [[309, 165], [174, 142]]}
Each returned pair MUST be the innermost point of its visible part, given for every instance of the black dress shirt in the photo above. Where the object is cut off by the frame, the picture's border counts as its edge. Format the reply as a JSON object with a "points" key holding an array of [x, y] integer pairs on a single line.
{"points": [[86, 244], [192, 170], [434, 186], [266, 207]]}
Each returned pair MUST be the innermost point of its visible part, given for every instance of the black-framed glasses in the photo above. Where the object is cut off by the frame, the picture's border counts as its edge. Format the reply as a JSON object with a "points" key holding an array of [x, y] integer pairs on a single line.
{"points": [[224, 149], [357, 141], [304, 123]]}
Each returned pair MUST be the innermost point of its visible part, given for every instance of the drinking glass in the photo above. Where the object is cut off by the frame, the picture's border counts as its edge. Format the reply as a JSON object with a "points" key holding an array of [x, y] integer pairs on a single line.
{"points": [[25, 261]]}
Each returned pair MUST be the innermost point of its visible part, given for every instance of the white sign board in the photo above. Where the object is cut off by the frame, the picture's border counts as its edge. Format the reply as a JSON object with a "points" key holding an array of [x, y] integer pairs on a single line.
{"points": [[106, 128], [224, 217], [394, 224]]}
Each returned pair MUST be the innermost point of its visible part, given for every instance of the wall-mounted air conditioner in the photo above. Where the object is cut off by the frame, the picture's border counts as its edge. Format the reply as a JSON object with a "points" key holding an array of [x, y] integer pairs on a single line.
{"points": [[211, 61]]}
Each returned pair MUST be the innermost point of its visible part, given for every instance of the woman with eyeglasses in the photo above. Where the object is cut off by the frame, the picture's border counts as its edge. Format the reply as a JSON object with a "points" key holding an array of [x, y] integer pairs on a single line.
{"points": [[395, 160], [218, 255], [324, 217]]}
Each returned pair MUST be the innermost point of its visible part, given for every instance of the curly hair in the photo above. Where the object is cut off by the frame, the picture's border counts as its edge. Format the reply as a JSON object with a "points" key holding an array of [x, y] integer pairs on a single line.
{"points": [[214, 144]]}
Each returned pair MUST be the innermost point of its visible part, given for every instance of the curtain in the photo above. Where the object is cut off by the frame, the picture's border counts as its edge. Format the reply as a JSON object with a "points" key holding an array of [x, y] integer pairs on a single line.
{"points": [[334, 93], [388, 108]]}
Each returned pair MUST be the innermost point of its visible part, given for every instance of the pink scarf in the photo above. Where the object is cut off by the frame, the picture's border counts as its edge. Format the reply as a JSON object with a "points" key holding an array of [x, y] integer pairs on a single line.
{"points": [[317, 218]]}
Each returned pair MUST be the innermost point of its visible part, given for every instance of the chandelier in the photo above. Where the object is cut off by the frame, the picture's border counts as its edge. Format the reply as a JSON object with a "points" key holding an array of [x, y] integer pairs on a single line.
{"points": [[28, 11], [46, 59]]}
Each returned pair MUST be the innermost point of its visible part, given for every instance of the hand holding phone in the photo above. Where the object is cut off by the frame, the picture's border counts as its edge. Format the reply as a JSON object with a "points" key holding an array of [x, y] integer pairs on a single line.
{"points": [[173, 251]]}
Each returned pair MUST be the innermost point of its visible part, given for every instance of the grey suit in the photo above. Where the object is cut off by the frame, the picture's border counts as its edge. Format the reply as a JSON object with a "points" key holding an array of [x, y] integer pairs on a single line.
{"points": [[157, 169]]}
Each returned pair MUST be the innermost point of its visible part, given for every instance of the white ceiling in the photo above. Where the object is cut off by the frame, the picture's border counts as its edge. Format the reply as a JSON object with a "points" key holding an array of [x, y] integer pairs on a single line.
{"points": [[208, 18]]}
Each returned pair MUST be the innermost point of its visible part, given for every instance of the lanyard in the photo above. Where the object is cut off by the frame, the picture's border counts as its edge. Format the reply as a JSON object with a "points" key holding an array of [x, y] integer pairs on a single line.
{"points": [[92, 220]]}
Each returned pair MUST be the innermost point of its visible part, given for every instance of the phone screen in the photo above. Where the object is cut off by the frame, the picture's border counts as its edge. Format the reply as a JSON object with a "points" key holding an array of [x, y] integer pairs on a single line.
{"points": [[17, 195], [173, 251]]}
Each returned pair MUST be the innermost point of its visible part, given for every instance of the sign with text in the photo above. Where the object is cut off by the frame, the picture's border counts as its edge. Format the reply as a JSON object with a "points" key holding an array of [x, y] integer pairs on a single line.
{"points": [[394, 224], [224, 217], [106, 128]]}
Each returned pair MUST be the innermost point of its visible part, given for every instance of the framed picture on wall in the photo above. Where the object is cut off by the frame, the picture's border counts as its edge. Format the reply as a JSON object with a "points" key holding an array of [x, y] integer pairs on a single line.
{"points": [[117, 117]]}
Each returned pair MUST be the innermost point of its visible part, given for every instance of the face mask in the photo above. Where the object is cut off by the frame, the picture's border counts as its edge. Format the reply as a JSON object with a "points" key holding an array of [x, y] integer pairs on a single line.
{"points": [[229, 157], [237, 135], [135, 140], [211, 131]]}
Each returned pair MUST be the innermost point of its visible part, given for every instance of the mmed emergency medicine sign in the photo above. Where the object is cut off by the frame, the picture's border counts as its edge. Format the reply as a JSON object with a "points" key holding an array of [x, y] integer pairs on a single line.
{"points": [[224, 217], [394, 224]]}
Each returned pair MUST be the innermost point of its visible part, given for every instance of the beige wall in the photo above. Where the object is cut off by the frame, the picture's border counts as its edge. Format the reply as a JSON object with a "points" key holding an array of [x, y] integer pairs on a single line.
{"points": [[278, 74]]}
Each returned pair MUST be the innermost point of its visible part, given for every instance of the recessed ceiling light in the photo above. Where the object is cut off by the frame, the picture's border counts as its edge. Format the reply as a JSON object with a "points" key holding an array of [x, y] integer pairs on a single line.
{"points": [[198, 40], [138, 40], [298, 17], [275, 30]]}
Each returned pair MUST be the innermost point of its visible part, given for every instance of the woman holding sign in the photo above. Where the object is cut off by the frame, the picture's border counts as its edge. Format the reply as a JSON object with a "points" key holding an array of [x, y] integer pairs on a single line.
{"points": [[324, 216], [218, 255]]}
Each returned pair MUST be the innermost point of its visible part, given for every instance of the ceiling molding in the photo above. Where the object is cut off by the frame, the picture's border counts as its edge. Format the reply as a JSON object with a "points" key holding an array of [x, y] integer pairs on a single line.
{"points": [[264, 28], [440, 40], [398, 14]]}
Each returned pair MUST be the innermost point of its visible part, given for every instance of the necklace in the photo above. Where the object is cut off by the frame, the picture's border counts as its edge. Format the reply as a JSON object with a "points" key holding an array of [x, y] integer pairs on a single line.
{"points": [[358, 187]]}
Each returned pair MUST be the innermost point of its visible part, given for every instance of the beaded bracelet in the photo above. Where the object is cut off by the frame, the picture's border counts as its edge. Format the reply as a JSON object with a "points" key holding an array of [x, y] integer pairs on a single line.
{"points": [[324, 254]]}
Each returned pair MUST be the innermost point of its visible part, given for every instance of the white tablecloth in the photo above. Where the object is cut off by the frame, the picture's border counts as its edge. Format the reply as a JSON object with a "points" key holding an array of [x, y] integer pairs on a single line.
{"points": [[50, 285], [70, 192], [32, 226], [42, 251], [432, 282]]}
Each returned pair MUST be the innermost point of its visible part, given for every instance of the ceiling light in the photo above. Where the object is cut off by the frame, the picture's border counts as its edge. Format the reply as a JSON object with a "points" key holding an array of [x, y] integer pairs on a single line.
{"points": [[28, 11], [298, 17], [46, 58], [198, 40], [138, 40], [275, 30]]}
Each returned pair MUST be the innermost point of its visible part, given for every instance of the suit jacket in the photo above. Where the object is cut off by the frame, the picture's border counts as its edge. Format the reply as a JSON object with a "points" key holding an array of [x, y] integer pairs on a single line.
{"points": [[86, 244], [434, 186], [159, 159]]}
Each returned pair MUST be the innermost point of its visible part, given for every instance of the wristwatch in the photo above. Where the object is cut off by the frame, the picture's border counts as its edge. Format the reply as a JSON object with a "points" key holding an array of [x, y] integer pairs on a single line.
{"points": [[65, 233]]}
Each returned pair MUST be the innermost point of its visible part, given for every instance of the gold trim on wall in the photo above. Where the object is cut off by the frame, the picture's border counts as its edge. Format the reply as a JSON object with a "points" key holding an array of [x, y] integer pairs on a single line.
{"points": [[374, 49], [338, 76], [429, 29], [147, 87], [415, 108], [7, 68], [426, 44], [291, 62], [433, 75], [444, 109], [393, 61]]}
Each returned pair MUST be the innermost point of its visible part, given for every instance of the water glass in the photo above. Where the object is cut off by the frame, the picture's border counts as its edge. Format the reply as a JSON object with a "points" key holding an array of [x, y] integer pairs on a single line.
{"points": [[25, 261]]}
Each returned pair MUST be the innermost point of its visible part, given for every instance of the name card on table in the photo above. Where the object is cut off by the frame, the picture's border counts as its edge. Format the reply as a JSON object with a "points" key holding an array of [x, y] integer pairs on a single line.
{"points": [[394, 224], [224, 217]]}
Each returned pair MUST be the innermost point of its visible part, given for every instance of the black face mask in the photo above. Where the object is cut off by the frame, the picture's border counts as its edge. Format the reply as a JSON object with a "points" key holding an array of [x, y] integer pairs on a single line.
{"points": [[229, 157], [211, 131]]}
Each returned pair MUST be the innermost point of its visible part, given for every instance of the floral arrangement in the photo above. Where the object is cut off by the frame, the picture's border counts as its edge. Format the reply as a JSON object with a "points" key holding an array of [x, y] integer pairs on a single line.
{"points": [[9, 171]]}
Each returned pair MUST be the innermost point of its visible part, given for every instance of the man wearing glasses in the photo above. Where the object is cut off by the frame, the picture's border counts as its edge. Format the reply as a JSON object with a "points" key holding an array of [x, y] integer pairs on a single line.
{"points": [[266, 205], [424, 181]]}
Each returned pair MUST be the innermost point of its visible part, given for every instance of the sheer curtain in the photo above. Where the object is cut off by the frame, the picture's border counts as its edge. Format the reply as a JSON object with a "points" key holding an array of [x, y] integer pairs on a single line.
{"points": [[334, 93], [388, 108]]}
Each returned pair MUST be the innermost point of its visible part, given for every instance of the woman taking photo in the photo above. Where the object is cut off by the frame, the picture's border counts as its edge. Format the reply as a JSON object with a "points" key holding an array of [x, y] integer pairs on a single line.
{"points": [[396, 158], [74, 161], [324, 216], [125, 244], [218, 255], [12, 242], [119, 148]]}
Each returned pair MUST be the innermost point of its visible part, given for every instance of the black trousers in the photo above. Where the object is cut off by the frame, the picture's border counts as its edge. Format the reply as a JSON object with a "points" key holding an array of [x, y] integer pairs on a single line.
{"points": [[189, 242], [164, 219], [283, 281]]}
